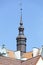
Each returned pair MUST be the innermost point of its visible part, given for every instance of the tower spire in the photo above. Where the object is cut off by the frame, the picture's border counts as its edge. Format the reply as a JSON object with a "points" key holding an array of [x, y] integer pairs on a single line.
{"points": [[21, 23], [21, 39]]}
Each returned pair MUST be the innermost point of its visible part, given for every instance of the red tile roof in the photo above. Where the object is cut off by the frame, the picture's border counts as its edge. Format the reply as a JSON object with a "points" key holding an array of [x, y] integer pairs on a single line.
{"points": [[27, 55], [12, 61], [9, 61], [31, 61]]}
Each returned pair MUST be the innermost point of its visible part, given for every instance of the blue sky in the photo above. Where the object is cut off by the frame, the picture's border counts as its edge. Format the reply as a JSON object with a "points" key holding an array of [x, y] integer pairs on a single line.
{"points": [[32, 20]]}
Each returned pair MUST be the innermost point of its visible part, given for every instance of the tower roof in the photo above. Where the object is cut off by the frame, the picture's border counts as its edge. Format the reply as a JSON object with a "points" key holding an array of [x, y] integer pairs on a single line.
{"points": [[21, 28]]}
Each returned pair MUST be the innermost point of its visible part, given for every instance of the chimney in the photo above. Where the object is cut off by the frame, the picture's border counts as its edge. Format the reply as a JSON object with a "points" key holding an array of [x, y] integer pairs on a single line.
{"points": [[18, 56], [35, 52]]}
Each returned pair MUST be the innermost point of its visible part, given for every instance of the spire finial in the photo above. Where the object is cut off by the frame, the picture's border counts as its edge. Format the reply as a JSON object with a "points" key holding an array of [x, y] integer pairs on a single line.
{"points": [[21, 13]]}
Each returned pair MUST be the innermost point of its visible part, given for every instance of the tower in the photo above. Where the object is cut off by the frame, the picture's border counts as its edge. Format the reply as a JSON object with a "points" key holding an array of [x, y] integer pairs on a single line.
{"points": [[21, 39]]}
